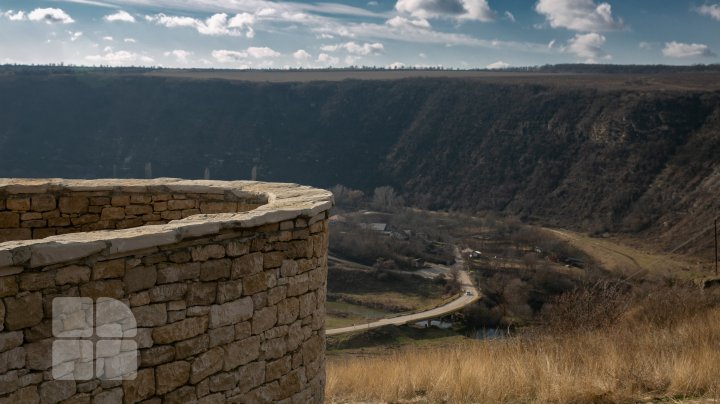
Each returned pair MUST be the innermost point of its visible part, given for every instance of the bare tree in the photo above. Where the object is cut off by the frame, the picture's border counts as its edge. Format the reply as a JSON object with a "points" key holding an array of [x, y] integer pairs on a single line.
{"points": [[386, 199]]}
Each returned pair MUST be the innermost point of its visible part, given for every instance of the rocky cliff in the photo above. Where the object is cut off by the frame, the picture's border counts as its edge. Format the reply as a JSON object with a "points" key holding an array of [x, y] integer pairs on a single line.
{"points": [[590, 156]]}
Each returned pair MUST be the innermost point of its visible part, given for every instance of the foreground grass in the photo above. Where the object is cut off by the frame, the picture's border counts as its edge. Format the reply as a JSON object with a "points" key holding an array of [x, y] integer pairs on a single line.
{"points": [[631, 361]]}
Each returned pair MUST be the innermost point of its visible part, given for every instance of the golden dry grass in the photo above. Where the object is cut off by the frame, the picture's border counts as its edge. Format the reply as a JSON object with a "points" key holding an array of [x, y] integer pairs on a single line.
{"points": [[631, 361]]}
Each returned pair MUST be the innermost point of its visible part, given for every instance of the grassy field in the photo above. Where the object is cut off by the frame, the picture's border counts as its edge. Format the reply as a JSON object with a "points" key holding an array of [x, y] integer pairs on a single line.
{"points": [[669, 352], [616, 255], [342, 314]]}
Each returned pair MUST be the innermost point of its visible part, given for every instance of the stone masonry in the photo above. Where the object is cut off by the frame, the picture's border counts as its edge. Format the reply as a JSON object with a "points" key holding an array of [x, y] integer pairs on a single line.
{"points": [[226, 282]]}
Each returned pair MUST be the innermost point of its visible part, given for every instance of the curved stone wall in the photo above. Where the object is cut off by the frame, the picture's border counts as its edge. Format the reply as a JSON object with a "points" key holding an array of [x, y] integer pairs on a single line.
{"points": [[222, 285]]}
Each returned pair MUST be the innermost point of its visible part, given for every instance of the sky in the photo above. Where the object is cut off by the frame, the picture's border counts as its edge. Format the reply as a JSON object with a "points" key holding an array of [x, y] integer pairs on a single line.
{"points": [[242, 34]]}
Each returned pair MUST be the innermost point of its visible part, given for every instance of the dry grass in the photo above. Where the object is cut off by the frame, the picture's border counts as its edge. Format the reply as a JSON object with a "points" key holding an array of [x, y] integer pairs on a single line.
{"points": [[636, 359]]}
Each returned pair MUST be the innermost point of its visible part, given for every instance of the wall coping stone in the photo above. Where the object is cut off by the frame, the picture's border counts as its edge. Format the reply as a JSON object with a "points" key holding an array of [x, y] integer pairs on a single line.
{"points": [[285, 201]]}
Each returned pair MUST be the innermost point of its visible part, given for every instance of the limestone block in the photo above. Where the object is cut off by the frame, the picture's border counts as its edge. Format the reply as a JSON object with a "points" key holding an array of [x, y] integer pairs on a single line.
{"points": [[140, 278], [72, 274], [157, 355], [180, 330], [222, 382], [206, 252], [276, 294], [183, 395], [201, 294], [10, 340], [177, 273], [43, 203], [37, 280], [12, 359], [109, 269], [74, 204], [8, 286], [138, 210], [25, 395], [9, 220], [153, 315], [181, 204], [192, 346], [206, 364], [259, 282], [141, 388], [231, 313], [109, 288], [237, 248], [273, 259], [168, 292], [229, 291], [307, 304], [170, 376], [241, 352], [274, 348], [23, 311], [276, 369], [215, 269], [18, 204], [218, 336], [298, 285], [113, 213], [120, 200], [247, 265], [56, 390], [264, 319], [288, 310]]}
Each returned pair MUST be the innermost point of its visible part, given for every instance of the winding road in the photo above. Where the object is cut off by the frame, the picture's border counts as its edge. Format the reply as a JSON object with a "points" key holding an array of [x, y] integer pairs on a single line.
{"points": [[470, 294]]}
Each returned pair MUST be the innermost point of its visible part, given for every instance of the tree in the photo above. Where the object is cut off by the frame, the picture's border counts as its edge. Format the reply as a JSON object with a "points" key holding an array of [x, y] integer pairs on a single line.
{"points": [[385, 199]]}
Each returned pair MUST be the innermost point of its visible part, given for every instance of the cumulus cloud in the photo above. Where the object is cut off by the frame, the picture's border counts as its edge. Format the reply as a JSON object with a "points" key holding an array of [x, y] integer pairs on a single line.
{"points": [[579, 15], [402, 22], [129, 40], [180, 55], [120, 58], [712, 10], [587, 47], [477, 10], [395, 65], [217, 24], [686, 50], [301, 54], [227, 56], [510, 16], [645, 45], [356, 49], [328, 60], [74, 36], [50, 16], [14, 16], [120, 16], [498, 65]]}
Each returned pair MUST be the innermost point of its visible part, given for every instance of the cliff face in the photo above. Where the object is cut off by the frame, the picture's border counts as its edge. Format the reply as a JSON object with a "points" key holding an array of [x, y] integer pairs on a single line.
{"points": [[584, 157]]}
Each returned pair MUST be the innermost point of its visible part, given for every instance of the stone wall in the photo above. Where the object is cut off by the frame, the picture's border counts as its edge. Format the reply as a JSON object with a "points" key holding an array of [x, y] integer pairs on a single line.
{"points": [[228, 307]]}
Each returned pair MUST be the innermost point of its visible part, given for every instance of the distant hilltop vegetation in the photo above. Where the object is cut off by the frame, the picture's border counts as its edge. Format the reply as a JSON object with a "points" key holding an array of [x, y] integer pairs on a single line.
{"points": [[631, 149]]}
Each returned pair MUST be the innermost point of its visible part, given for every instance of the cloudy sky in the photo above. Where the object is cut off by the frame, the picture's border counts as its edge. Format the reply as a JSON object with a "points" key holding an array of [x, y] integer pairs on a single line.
{"points": [[281, 34]]}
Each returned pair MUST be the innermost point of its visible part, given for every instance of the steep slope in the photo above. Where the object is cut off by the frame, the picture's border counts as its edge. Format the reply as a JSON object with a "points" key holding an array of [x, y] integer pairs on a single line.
{"points": [[578, 156]]}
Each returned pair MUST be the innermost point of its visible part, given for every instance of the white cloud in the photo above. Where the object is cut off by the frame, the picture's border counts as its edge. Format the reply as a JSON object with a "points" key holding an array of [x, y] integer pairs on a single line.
{"points": [[551, 44], [395, 65], [108, 38], [180, 55], [579, 15], [328, 60], [262, 52], [217, 24], [477, 10], [120, 16], [14, 16], [129, 40], [712, 10], [50, 16], [587, 47], [510, 16], [227, 56], [402, 22], [355, 49], [645, 45], [498, 65], [686, 50], [422, 55], [74, 36], [120, 58], [301, 54]]}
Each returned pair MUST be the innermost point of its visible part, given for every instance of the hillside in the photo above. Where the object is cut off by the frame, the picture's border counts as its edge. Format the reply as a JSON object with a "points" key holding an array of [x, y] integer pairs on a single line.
{"points": [[604, 152]]}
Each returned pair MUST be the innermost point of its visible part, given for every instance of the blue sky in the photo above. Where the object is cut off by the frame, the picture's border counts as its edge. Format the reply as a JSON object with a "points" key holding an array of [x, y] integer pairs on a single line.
{"points": [[337, 33]]}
